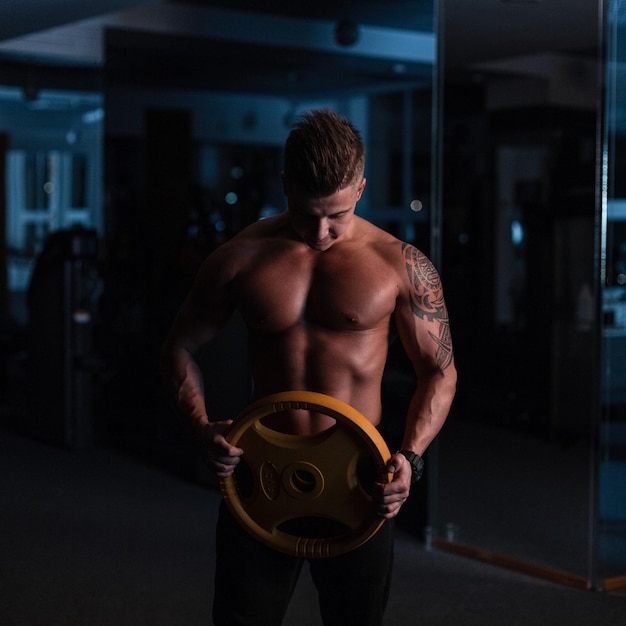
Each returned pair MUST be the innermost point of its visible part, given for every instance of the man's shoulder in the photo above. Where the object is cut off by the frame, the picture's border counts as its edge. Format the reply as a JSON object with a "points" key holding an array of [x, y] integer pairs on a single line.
{"points": [[246, 245], [273, 226], [390, 243], [399, 256], [254, 235], [382, 241]]}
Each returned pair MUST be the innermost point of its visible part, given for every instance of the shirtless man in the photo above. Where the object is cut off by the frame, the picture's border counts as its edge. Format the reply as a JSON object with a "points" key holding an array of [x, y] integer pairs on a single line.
{"points": [[321, 292]]}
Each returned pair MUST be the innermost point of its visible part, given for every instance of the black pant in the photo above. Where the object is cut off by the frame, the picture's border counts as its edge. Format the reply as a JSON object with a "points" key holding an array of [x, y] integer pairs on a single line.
{"points": [[253, 583]]}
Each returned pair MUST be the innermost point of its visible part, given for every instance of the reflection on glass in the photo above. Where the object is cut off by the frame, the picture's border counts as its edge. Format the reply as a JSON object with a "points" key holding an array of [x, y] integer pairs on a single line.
{"points": [[611, 514], [519, 210]]}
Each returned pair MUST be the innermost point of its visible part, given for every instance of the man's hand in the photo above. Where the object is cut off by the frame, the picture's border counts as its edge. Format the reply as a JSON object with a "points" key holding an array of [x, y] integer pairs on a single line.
{"points": [[217, 453], [389, 497]]}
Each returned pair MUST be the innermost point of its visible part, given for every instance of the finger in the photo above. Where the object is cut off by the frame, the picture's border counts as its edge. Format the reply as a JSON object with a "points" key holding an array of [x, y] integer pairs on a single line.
{"points": [[234, 451], [389, 511], [224, 473], [224, 466], [223, 448], [393, 498], [226, 460], [397, 490], [395, 463]]}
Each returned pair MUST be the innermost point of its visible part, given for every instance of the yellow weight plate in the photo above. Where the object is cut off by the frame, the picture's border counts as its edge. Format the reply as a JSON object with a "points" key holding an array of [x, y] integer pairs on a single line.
{"points": [[301, 482]]}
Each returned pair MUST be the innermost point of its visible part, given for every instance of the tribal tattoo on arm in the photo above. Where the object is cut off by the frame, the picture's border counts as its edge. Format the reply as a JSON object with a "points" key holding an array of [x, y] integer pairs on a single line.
{"points": [[427, 300]]}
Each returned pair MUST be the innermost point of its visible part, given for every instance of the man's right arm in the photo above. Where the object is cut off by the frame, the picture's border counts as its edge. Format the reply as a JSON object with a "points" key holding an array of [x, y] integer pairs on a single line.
{"points": [[205, 310]]}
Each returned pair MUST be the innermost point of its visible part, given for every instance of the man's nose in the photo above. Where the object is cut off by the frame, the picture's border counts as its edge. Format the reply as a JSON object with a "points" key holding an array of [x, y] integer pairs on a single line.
{"points": [[322, 228]]}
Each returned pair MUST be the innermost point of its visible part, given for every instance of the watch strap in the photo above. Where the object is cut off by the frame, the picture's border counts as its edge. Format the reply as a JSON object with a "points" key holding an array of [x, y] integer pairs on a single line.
{"points": [[416, 461]]}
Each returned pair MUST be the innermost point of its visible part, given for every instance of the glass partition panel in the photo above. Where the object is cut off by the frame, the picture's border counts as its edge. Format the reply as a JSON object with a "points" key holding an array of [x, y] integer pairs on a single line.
{"points": [[519, 209], [612, 437]]}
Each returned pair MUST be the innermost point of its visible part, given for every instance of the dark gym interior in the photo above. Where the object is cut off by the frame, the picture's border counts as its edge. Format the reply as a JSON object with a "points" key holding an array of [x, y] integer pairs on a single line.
{"points": [[135, 137]]}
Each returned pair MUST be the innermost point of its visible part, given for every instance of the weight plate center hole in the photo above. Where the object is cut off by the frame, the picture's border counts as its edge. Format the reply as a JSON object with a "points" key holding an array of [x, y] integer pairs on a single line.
{"points": [[303, 481]]}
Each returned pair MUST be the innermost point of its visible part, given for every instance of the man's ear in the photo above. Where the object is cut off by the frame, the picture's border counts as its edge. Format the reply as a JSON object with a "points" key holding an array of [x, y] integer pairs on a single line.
{"points": [[360, 189]]}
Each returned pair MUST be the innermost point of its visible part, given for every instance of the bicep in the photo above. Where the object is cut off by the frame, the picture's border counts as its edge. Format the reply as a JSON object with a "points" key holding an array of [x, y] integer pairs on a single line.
{"points": [[422, 316], [204, 311]]}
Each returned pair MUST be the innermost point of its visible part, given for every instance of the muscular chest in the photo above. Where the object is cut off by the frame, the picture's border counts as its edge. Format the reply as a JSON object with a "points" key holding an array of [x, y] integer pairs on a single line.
{"points": [[334, 291]]}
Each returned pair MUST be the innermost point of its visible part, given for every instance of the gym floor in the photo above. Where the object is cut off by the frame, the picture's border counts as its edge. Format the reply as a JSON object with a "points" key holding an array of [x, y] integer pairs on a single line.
{"points": [[105, 537]]}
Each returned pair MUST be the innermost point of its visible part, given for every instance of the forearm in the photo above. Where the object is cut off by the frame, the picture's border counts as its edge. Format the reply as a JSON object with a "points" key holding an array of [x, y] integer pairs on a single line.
{"points": [[428, 410], [427, 413], [185, 383], [185, 386]]}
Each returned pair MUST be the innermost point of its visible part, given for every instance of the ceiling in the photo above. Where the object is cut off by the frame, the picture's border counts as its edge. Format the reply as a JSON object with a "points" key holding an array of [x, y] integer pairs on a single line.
{"points": [[148, 36]]}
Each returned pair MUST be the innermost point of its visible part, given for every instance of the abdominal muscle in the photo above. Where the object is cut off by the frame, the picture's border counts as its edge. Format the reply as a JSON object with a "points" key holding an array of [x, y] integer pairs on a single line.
{"points": [[345, 365]]}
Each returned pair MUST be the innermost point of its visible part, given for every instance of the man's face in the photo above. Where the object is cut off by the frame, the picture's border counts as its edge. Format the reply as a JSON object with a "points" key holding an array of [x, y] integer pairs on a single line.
{"points": [[320, 222]]}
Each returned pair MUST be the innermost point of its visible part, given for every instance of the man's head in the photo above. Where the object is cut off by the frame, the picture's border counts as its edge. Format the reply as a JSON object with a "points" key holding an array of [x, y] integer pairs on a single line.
{"points": [[324, 153]]}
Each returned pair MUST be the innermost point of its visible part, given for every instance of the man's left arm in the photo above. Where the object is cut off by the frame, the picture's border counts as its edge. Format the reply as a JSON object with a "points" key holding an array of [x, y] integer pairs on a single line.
{"points": [[424, 329]]}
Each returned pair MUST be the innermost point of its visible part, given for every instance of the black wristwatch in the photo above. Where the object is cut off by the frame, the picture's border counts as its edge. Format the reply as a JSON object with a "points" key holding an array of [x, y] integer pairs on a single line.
{"points": [[416, 461]]}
